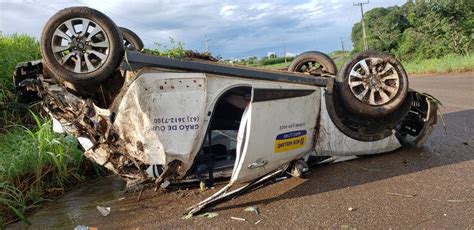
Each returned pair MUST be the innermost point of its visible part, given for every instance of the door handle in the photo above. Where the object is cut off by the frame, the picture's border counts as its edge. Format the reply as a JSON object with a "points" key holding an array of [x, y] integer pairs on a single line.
{"points": [[257, 164]]}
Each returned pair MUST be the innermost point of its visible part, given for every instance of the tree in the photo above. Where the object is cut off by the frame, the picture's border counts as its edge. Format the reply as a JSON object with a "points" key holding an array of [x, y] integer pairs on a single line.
{"points": [[420, 29]]}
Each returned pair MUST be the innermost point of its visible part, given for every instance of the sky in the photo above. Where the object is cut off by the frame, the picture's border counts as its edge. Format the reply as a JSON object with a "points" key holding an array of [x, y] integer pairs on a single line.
{"points": [[233, 29]]}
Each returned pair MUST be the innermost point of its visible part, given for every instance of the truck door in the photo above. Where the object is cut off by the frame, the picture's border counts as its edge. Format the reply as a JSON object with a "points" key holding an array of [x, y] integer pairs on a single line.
{"points": [[277, 127]]}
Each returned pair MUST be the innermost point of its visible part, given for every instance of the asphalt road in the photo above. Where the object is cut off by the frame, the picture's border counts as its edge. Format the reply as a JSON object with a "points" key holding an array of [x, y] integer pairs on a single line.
{"points": [[430, 187]]}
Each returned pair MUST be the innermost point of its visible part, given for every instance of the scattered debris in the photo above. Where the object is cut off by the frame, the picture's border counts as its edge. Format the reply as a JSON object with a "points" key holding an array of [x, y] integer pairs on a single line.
{"points": [[253, 209], [460, 200], [466, 143], [202, 186], [165, 184], [337, 159], [345, 226], [84, 227], [352, 209], [256, 211], [209, 215], [187, 216], [281, 178], [238, 218], [299, 168], [140, 194], [422, 221], [398, 194], [105, 211]]}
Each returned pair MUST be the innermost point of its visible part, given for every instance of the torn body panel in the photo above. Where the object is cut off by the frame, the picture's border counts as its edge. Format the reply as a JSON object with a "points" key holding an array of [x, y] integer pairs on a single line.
{"points": [[333, 142], [158, 111]]}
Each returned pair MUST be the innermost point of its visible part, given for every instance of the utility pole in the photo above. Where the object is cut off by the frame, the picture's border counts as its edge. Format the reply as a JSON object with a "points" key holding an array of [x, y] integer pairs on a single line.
{"points": [[366, 46], [284, 50], [206, 40], [342, 45]]}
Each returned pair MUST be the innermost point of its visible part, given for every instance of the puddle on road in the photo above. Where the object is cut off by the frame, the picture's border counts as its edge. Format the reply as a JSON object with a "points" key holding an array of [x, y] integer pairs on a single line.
{"points": [[76, 205]]}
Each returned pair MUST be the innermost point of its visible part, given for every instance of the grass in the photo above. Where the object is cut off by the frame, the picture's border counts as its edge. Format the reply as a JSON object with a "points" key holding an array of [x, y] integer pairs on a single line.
{"points": [[447, 64], [13, 49], [340, 59], [33, 160], [277, 65]]}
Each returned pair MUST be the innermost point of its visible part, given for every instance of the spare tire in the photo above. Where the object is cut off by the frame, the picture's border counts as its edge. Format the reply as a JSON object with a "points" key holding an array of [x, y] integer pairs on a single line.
{"points": [[313, 63], [372, 84], [131, 41], [81, 45]]}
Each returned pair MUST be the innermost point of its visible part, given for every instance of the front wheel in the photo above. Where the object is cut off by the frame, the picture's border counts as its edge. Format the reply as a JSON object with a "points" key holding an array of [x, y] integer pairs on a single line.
{"points": [[81, 45], [372, 84], [131, 41], [313, 63]]}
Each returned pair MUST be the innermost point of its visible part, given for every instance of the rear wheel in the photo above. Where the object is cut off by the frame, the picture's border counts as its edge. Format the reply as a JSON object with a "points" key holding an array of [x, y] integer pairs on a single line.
{"points": [[372, 84], [131, 41], [313, 63], [81, 45]]}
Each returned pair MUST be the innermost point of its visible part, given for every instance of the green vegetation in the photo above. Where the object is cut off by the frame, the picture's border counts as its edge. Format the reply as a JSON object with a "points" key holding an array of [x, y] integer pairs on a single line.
{"points": [[419, 30], [271, 61], [13, 49], [434, 36], [427, 36], [281, 65], [447, 64], [33, 159], [339, 57], [175, 50]]}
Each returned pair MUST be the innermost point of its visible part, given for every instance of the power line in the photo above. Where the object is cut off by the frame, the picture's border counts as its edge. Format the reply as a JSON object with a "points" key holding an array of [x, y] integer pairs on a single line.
{"points": [[44, 6], [366, 46]]}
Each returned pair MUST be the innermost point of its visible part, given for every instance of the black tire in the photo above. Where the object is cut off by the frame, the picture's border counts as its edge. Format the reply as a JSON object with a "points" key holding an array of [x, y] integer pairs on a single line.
{"points": [[322, 64], [103, 50], [379, 93], [131, 40]]}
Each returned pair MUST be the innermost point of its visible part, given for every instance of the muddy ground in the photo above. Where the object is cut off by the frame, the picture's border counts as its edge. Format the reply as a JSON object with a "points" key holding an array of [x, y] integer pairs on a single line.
{"points": [[431, 187]]}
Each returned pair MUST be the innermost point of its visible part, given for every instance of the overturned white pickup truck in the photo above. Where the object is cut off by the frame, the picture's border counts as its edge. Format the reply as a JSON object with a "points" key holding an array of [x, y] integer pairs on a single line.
{"points": [[153, 119]]}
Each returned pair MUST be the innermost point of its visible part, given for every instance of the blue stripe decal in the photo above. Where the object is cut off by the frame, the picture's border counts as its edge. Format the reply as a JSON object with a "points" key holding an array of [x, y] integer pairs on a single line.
{"points": [[293, 134]]}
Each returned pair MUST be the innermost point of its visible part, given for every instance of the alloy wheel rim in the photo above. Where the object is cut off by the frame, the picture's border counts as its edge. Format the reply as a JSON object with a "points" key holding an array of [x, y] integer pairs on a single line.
{"points": [[374, 81], [80, 45]]}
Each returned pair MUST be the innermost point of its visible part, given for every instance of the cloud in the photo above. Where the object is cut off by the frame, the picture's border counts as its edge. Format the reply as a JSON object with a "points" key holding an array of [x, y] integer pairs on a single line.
{"points": [[227, 10], [234, 28]]}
